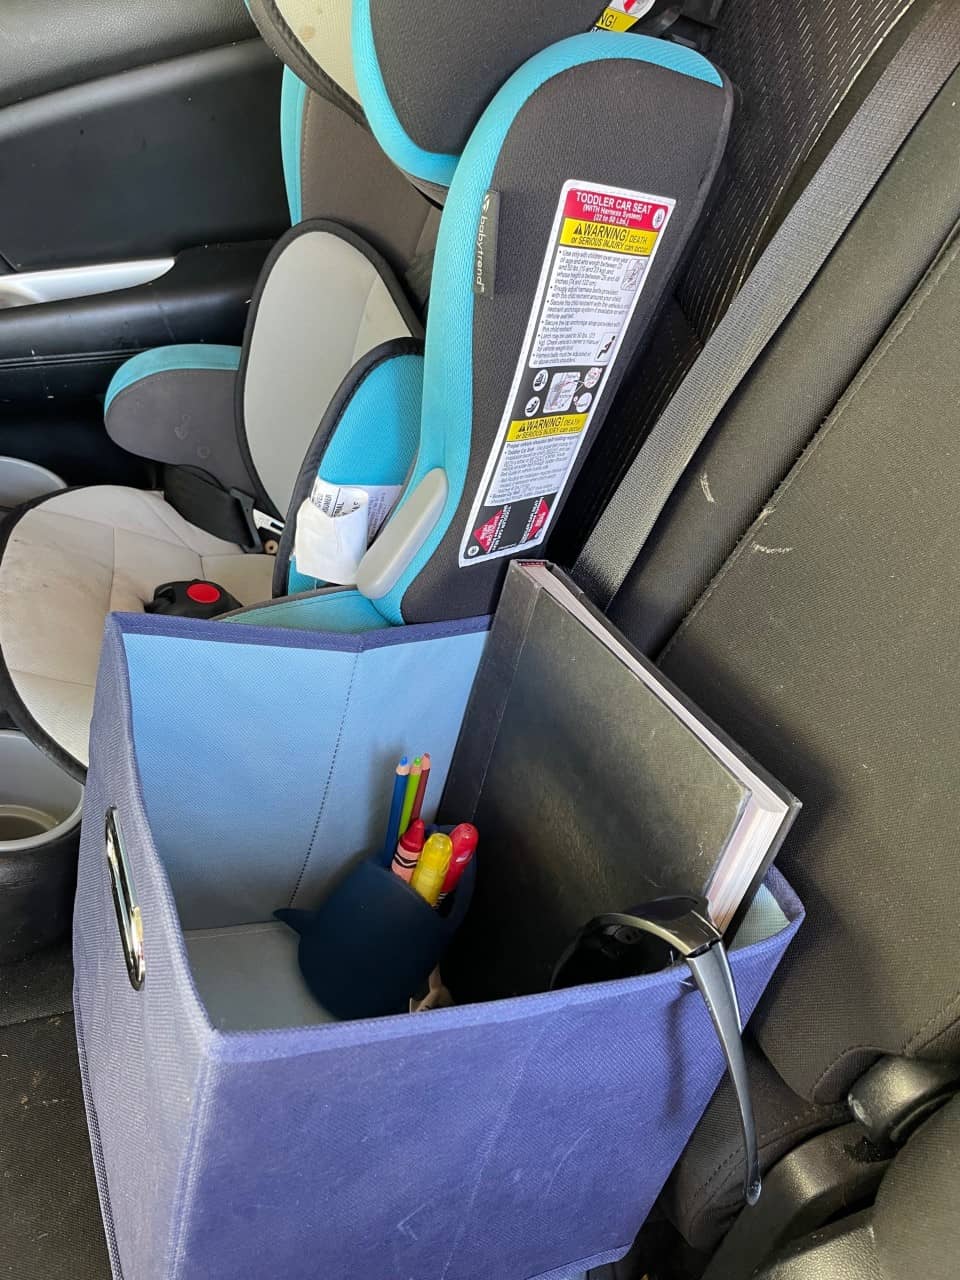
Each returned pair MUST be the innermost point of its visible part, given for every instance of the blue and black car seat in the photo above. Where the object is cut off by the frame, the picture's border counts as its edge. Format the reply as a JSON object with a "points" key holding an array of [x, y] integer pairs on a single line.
{"points": [[332, 164], [582, 182]]}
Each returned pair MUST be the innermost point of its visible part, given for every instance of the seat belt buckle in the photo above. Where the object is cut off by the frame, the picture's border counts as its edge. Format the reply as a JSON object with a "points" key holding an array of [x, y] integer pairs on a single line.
{"points": [[263, 531]]}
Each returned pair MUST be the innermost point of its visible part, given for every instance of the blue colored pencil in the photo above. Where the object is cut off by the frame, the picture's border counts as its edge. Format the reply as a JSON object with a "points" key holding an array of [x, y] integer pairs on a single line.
{"points": [[396, 805]]}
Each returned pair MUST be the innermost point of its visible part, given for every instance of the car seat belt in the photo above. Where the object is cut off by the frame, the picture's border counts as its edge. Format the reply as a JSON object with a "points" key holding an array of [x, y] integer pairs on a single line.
{"points": [[782, 274], [226, 513]]}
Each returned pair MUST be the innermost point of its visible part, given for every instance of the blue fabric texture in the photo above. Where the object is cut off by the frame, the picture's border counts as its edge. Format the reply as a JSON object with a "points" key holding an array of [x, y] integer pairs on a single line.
{"points": [[430, 166], [514, 1139], [447, 393], [186, 355], [385, 407], [293, 101], [325, 804]]}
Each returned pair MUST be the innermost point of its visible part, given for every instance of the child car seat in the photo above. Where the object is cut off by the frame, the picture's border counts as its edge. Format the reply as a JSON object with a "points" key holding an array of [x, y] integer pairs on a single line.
{"points": [[175, 404], [452, 426]]}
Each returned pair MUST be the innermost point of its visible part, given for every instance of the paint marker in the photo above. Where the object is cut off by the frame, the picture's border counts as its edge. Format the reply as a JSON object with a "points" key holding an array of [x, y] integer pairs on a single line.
{"points": [[428, 877], [463, 839]]}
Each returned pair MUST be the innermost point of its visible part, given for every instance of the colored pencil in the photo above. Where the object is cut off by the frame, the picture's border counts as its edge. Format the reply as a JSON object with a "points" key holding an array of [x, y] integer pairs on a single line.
{"points": [[410, 795], [396, 806], [421, 787]]}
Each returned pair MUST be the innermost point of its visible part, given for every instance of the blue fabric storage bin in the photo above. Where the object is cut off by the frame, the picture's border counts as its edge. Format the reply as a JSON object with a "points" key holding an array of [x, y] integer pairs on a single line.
{"points": [[237, 1132]]}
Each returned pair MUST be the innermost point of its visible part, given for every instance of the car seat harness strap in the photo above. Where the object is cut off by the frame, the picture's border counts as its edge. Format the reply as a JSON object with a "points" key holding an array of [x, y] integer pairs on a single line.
{"points": [[230, 514]]}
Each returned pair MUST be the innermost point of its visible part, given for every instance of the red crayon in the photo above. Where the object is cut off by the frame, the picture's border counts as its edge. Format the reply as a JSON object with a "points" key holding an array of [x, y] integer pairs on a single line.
{"points": [[464, 840], [408, 851]]}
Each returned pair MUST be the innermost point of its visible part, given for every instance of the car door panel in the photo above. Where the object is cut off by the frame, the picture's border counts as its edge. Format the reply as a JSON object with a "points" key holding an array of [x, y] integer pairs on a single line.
{"points": [[180, 153], [49, 44]]}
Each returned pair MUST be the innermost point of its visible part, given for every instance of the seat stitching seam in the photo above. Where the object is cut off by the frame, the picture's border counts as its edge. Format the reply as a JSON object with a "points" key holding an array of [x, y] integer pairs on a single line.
{"points": [[792, 1124], [326, 786], [915, 1041], [43, 675], [186, 546]]}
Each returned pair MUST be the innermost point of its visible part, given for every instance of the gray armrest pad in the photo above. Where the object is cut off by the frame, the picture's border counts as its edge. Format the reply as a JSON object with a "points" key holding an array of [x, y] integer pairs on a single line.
{"points": [[183, 417]]}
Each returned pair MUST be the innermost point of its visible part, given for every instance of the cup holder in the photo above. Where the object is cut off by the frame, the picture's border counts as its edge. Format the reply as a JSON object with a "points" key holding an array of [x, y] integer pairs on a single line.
{"points": [[22, 481], [40, 807]]}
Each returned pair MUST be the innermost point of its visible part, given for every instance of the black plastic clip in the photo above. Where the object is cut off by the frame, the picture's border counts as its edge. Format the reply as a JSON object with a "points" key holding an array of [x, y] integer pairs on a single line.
{"points": [[613, 945], [263, 531]]}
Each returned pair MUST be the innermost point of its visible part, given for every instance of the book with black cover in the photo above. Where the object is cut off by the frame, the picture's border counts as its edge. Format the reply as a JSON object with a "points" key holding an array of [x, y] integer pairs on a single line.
{"points": [[596, 785]]}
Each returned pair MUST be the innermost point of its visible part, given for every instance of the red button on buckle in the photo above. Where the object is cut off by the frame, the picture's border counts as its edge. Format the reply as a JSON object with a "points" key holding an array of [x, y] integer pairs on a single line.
{"points": [[203, 593]]}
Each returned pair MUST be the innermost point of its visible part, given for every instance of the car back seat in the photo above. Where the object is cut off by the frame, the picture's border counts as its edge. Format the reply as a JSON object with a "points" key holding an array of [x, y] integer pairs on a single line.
{"points": [[798, 70], [800, 587]]}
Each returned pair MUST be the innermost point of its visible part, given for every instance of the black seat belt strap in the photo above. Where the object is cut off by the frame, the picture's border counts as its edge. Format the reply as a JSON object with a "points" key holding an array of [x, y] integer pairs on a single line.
{"points": [[782, 274], [226, 513]]}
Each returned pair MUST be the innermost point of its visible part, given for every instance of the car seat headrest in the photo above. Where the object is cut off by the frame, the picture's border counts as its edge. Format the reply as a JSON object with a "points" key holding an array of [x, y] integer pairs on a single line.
{"points": [[425, 72], [313, 40]]}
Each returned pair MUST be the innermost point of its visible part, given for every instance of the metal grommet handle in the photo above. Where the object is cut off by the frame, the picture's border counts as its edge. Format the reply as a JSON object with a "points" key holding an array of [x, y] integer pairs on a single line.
{"points": [[129, 919]]}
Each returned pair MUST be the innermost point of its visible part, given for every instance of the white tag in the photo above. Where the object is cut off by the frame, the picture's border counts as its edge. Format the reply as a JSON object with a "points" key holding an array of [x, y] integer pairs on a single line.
{"points": [[336, 524], [330, 547]]}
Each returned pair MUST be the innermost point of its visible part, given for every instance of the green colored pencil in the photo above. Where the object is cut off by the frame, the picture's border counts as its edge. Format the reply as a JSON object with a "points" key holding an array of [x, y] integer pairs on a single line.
{"points": [[411, 794]]}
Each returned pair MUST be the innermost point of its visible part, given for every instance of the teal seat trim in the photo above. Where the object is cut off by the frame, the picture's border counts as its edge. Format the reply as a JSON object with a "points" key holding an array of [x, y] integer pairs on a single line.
{"points": [[187, 355], [448, 383], [345, 611], [293, 103], [384, 408], [430, 166]]}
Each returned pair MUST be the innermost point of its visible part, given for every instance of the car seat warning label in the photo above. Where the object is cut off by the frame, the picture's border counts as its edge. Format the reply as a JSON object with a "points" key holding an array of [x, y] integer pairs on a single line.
{"points": [[601, 246], [621, 15]]}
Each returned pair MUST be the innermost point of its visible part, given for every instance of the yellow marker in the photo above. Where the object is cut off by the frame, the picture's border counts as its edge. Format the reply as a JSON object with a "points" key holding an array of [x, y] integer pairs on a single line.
{"points": [[432, 868]]}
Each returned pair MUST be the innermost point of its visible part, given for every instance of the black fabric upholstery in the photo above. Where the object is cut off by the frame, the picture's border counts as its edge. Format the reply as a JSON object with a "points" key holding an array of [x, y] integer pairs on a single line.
{"points": [[827, 647], [916, 1222], [48, 44], [793, 64], [185, 418], [673, 148], [334, 146], [705, 1191], [799, 378], [465, 53]]}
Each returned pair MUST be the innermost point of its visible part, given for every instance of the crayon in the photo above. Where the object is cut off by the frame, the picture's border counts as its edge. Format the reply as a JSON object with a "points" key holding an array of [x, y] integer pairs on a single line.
{"points": [[408, 851]]}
